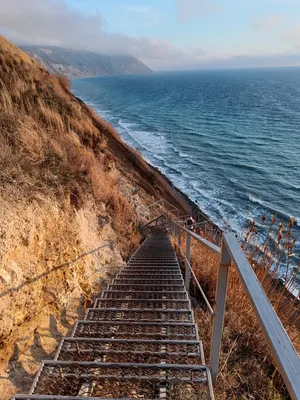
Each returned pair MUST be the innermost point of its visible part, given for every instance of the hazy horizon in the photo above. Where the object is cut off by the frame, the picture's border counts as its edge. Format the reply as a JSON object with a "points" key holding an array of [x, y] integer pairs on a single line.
{"points": [[169, 35]]}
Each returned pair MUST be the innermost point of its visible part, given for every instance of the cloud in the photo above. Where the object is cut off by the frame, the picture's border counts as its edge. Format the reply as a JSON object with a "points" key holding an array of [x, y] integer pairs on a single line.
{"points": [[188, 9], [199, 53], [292, 35], [47, 21], [257, 61], [267, 23], [224, 61], [144, 14], [53, 22], [275, 2]]}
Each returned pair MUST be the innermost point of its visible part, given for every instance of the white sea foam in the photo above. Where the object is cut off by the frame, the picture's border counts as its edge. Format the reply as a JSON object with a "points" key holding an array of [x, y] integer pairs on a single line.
{"points": [[257, 200], [150, 141], [204, 153]]}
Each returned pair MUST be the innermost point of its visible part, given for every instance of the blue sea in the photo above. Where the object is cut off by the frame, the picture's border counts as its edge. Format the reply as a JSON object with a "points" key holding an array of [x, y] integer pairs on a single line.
{"points": [[229, 139]]}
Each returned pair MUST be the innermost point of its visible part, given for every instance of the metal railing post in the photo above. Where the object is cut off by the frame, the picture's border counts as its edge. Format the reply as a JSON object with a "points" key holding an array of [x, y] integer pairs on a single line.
{"points": [[282, 349], [179, 237], [224, 264], [187, 262]]}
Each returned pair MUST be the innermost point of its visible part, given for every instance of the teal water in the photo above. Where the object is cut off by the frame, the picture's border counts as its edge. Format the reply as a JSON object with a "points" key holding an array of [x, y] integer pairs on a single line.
{"points": [[229, 139]]}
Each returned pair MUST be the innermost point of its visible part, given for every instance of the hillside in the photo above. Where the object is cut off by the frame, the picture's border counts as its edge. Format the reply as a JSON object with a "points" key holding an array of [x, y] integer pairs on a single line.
{"points": [[75, 64], [72, 199], [72, 196]]}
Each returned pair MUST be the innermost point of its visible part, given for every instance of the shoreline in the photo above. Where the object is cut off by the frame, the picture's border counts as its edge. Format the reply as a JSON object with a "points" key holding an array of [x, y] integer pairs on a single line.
{"points": [[278, 283], [162, 182], [158, 183], [198, 214], [180, 198], [155, 181], [228, 192]]}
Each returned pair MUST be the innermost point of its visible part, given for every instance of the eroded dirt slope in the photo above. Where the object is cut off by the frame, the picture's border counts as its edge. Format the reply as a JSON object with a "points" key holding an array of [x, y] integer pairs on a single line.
{"points": [[72, 196]]}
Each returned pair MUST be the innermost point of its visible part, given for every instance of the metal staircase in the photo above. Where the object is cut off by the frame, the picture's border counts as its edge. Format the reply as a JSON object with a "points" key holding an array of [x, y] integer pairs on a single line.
{"points": [[139, 341]]}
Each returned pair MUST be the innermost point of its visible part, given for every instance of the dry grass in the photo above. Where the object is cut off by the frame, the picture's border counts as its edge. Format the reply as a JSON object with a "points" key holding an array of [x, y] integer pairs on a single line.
{"points": [[53, 145], [60, 169], [52, 142], [66, 165], [246, 368], [55, 140]]}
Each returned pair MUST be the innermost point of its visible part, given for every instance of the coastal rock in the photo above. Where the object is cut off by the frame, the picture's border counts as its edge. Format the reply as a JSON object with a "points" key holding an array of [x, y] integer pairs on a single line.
{"points": [[78, 64]]}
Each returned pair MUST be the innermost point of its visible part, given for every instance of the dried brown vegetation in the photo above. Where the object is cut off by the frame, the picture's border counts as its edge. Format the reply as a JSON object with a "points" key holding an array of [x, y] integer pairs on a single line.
{"points": [[52, 142], [68, 185], [67, 181], [247, 371]]}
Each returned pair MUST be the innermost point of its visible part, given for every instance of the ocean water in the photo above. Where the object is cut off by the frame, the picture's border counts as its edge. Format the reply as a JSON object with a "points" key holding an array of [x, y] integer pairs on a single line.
{"points": [[229, 139]]}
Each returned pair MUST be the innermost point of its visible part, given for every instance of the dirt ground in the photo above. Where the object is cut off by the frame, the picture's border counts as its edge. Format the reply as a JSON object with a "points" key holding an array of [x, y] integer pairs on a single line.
{"points": [[51, 263]]}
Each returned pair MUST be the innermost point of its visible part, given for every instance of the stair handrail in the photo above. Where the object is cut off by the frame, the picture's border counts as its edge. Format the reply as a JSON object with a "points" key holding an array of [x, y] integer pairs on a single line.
{"points": [[209, 307], [230, 252], [163, 202]]}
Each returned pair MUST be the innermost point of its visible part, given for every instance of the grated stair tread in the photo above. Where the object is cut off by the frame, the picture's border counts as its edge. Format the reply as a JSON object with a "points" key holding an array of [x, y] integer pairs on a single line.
{"points": [[138, 341]]}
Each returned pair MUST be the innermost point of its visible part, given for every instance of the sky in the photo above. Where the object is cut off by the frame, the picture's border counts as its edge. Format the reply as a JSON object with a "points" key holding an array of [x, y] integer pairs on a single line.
{"points": [[165, 34]]}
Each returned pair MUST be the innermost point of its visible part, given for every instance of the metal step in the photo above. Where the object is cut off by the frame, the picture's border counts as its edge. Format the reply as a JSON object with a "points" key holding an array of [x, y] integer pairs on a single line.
{"points": [[153, 260], [115, 380], [139, 341], [57, 397], [157, 255], [154, 263], [133, 277], [145, 295], [131, 350], [148, 272], [159, 261], [154, 257], [136, 330], [111, 314], [140, 288], [143, 304], [152, 270], [149, 282]]}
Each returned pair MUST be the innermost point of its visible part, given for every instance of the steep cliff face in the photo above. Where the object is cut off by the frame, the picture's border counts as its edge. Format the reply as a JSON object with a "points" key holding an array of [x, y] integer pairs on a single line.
{"points": [[75, 64], [72, 196]]}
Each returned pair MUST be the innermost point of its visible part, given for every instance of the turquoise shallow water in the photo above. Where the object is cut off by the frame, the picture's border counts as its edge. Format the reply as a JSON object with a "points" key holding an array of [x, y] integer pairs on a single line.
{"points": [[229, 139]]}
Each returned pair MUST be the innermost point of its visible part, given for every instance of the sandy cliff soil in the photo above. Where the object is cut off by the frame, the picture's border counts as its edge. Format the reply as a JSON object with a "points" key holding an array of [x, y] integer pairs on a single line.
{"points": [[52, 259], [72, 197]]}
